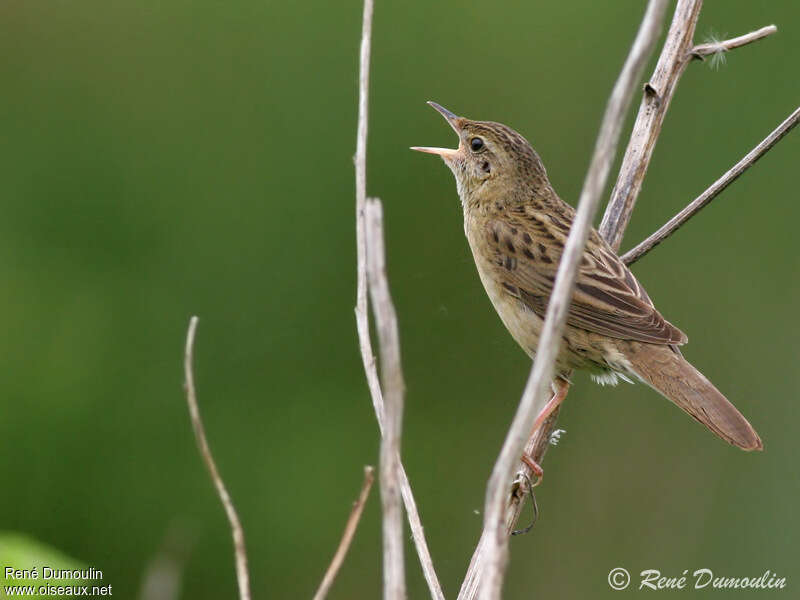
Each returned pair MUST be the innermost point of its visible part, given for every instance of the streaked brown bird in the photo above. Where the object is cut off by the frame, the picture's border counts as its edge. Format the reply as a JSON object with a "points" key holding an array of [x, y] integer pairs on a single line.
{"points": [[517, 227]]}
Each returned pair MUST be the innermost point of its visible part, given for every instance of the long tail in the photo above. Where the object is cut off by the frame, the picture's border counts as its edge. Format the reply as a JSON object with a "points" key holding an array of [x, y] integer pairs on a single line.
{"points": [[666, 371]]}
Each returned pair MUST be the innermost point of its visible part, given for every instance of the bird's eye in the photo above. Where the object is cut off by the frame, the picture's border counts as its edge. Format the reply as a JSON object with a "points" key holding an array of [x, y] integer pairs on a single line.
{"points": [[476, 144]]}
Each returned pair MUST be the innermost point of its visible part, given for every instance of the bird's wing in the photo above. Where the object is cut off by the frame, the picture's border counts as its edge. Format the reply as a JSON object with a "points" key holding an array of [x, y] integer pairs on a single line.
{"points": [[607, 300]]}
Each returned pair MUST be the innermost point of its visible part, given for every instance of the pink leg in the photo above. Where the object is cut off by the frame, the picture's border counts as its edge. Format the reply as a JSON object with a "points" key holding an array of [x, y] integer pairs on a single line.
{"points": [[562, 387]]}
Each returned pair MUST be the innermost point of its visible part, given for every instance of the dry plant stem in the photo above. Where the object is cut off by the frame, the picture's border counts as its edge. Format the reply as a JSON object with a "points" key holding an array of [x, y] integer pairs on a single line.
{"points": [[240, 553], [702, 50], [347, 536], [675, 55], [394, 585], [418, 535], [678, 51], [361, 309], [535, 448], [536, 390], [712, 192], [362, 315]]}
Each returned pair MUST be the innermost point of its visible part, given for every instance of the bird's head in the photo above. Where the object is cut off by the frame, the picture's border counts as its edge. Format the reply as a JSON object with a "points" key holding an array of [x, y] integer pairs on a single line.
{"points": [[492, 162]]}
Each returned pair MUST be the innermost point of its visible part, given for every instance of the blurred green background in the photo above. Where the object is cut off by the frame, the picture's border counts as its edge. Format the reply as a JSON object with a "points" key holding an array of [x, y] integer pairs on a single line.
{"points": [[163, 159]]}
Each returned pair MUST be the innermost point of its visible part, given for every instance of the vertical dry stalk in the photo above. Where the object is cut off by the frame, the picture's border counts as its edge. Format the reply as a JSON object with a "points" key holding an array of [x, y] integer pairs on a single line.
{"points": [[240, 553], [536, 390], [362, 314], [361, 309], [394, 587], [347, 536]]}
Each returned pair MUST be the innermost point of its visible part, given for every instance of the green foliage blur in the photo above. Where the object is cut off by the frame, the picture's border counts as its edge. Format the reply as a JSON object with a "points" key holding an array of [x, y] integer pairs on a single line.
{"points": [[163, 159], [34, 564]]}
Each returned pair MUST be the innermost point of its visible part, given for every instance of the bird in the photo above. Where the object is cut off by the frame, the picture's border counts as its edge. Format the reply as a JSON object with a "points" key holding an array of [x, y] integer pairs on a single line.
{"points": [[517, 226]]}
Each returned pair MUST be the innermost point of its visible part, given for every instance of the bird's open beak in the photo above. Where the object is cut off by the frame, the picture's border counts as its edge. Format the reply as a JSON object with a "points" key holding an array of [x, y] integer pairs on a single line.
{"points": [[455, 123], [443, 152]]}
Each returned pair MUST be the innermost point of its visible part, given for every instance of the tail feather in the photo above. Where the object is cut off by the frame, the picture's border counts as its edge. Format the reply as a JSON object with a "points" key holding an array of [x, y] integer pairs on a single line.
{"points": [[666, 371]]}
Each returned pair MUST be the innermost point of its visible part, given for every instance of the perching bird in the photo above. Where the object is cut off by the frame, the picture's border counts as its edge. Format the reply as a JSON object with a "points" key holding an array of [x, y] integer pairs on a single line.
{"points": [[517, 227]]}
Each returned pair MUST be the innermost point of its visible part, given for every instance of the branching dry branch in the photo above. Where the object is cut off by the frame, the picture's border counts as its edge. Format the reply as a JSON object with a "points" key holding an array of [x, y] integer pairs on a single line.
{"points": [[674, 57], [678, 51], [712, 192], [535, 395], [361, 309], [347, 536], [239, 550]]}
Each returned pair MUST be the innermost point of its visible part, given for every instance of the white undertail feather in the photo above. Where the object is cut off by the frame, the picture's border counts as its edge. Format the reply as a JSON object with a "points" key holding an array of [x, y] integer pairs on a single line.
{"points": [[605, 378], [611, 378], [618, 368]]}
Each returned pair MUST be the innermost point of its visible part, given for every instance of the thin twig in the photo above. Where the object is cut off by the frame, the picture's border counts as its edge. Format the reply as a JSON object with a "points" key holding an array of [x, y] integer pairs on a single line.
{"points": [[394, 584], [361, 309], [536, 390], [702, 50], [418, 535], [347, 536], [240, 553], [712, 192]]}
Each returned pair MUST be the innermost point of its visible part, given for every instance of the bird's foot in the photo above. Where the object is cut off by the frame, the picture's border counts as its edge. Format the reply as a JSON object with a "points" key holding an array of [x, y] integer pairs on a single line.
{"points": [[535, 469], [560, 389]]}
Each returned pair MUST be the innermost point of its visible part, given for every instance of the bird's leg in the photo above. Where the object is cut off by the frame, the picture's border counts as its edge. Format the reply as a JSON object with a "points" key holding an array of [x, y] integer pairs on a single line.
{"points": [[560, 389], [535, 468]]}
